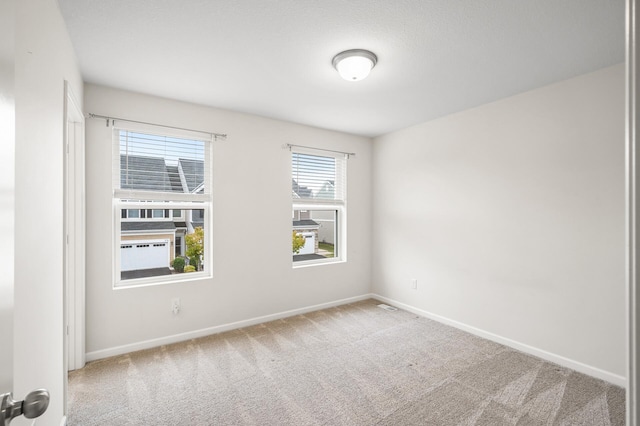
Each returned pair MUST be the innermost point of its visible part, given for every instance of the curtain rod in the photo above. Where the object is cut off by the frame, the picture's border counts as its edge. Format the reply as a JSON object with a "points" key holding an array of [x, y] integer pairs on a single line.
{"points": [[290, 145], [215, 135]]}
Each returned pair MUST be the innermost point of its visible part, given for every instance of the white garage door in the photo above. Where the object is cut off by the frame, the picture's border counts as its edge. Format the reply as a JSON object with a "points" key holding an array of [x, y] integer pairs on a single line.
{"points": [[135, 255], [309, 243]]}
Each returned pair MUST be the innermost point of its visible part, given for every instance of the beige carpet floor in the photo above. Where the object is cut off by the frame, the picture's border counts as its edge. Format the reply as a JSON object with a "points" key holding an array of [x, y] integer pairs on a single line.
{"points": [[355, 364]]}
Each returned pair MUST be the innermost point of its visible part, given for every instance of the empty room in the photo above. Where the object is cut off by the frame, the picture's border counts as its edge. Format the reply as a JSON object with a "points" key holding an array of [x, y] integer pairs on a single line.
{"points": [[316, 213]]}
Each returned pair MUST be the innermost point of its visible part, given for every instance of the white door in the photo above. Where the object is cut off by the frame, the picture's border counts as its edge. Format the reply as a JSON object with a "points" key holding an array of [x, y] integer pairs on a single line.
{"points": [[7, 146], [42, 59]]}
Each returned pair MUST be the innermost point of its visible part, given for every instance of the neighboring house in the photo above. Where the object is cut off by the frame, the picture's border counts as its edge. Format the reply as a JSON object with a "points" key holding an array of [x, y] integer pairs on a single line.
{"points": [[326, 219], [328, 191], [152, 238], [303, 223], [191, 174], [309, 229]]}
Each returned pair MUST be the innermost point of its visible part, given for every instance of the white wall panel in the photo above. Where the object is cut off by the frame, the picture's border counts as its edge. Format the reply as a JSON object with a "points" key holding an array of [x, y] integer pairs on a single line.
{"points": [[511, 218], [252, 257]]}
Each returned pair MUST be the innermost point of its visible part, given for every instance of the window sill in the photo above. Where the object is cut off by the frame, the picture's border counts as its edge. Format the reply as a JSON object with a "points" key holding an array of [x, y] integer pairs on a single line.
{"points": [[184, 277], [317, 262]]}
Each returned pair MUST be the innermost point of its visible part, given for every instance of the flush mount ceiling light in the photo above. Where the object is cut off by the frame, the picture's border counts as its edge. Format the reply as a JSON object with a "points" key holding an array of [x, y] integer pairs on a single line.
{"points": [[354, 64]]}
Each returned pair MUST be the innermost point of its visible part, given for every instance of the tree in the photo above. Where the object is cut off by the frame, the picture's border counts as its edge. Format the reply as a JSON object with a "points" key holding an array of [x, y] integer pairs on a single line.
{"points": [[298, 242], [195, 245]]}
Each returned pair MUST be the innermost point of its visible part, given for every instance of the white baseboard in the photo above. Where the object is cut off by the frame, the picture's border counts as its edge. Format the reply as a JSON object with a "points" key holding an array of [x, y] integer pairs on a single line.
{"points": [[148, 344], [63, 422], [547, 356]]}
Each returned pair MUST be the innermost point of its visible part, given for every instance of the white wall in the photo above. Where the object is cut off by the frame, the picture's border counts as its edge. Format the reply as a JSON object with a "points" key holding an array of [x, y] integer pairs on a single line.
{"points": [[511, 217], [7, 148], [44, 59], [252, 197]]}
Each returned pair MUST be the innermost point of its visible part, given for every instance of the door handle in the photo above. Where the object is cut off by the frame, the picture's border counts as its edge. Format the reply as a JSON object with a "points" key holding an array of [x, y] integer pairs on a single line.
{"points": [[34, 405]]}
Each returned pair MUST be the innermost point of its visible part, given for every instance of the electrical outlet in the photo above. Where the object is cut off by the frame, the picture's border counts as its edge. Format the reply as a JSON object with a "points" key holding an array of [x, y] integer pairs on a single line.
{"points": [[414, 283], [175, 305]]}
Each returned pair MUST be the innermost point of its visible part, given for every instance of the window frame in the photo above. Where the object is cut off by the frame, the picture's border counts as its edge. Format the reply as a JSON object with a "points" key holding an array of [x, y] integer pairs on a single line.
{"points": [[128, 199], [340, 230], [325, 204]]}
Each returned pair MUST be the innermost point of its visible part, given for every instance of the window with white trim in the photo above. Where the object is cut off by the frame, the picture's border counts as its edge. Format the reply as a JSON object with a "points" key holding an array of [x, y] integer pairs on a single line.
{"points": [[161, 206], [318, 207]]}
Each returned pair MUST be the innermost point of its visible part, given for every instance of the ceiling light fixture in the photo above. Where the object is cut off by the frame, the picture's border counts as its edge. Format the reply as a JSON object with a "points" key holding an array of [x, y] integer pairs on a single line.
{"points": [[354, 64]]}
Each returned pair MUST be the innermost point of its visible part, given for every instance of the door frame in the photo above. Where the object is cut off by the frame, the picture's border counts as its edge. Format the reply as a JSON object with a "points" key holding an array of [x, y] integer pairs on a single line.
{"points": [[74, 226], [632, 196]]}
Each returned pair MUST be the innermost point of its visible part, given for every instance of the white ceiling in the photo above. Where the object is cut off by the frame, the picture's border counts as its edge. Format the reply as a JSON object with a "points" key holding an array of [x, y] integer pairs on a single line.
{"points": [[273, 57]]}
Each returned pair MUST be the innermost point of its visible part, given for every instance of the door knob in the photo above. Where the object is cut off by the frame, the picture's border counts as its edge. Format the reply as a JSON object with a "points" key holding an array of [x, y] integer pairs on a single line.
{"points": [[34, 405]]}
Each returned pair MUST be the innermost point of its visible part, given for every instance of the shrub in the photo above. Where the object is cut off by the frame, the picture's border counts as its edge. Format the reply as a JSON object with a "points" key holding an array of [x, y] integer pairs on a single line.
{"points": [[298, 242], [195, 246], [189, 268], [178, 264]]}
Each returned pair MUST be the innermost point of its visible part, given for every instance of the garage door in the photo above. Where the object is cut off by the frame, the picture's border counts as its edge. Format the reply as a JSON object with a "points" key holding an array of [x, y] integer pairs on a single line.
{"points": [[309, 243], [135, 255]]}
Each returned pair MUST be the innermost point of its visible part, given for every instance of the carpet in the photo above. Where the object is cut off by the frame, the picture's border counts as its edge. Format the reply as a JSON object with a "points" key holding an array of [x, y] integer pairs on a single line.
{"points": [[355, 364]]}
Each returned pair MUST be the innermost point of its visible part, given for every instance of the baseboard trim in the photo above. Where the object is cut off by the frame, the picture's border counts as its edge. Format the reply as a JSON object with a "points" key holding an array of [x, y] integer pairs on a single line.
{"points": [[63, 422], [547, 356], [167, 340]]}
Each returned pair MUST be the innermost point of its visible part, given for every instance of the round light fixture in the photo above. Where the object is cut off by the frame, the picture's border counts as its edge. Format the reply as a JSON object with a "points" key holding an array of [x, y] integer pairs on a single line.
{"points": [[354, 64]]}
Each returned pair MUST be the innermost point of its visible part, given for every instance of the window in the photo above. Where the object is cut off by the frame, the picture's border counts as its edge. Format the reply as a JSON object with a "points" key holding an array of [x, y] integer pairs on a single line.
{"points": [[318, 208], [146, 214], [178, 245], [162, 203]]}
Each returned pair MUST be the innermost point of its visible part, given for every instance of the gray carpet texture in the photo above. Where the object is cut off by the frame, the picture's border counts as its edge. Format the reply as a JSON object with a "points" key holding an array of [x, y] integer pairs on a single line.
{"points": [[355, 364]]}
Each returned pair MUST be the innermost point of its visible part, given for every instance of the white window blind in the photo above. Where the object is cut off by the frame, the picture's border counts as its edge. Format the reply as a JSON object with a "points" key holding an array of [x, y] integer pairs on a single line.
{"points": [[318, 178], [154, 167]]}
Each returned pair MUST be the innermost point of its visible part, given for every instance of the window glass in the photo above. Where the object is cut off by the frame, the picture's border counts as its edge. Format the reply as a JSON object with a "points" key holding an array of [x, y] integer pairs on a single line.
{"points": [[314, 235], [318, 188], [162, 189], [146, 249]]}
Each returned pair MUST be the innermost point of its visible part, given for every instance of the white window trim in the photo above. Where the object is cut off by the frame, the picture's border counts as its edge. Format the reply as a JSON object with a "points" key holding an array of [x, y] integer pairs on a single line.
{"points": [[341, 235]]}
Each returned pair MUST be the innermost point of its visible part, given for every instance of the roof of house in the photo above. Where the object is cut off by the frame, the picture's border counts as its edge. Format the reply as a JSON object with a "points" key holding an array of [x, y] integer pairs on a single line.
{"points": [[193, 172], [153, 174], [306, 223], [140, 172], [300, 191], [174, 178], [328, 190], [148, 225]]}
